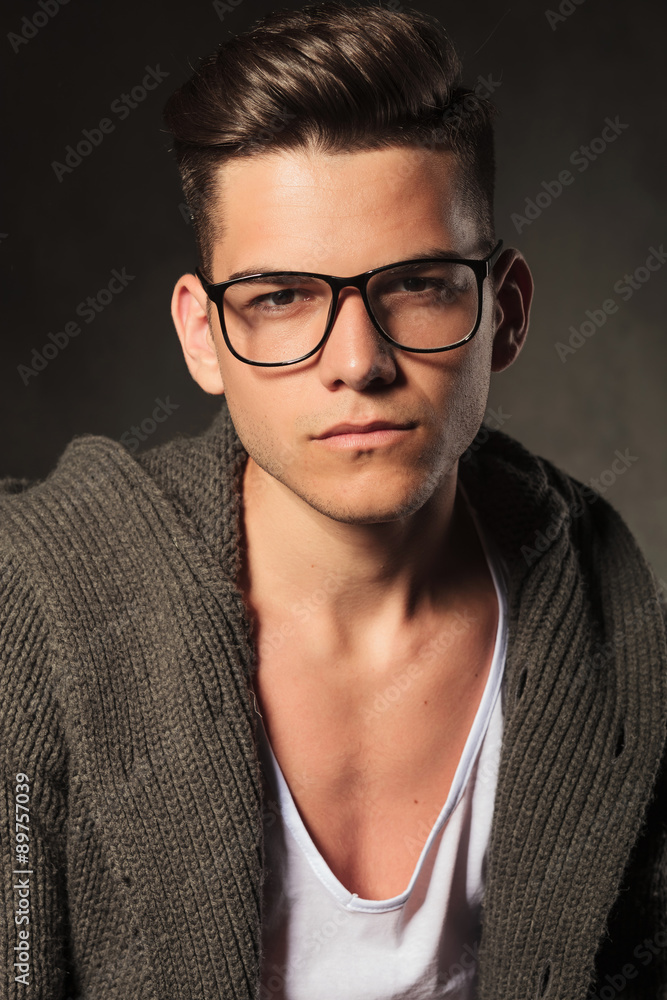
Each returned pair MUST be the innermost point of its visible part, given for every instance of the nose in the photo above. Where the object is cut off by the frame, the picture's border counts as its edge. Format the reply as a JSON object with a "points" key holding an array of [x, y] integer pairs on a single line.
{"points": [[354, 352]]}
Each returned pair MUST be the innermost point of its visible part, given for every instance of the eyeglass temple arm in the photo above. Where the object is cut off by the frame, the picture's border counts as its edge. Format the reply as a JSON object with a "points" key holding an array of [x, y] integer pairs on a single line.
{"points": [[205, 282], [495, 254]]}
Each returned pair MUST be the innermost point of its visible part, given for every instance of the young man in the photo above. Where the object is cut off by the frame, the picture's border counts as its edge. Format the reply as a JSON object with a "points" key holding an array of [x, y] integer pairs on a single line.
{"points": [[345, 697]]}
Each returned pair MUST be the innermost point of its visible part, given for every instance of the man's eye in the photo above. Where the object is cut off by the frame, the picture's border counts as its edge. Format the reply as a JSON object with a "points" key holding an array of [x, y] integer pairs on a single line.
{"points": [[419, 284], [284, 297], [279, 299]]}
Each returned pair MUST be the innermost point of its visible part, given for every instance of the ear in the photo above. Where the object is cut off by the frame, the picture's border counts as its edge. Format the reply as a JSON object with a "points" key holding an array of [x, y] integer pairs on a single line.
{"points": [[188, 311], [513, 284]]}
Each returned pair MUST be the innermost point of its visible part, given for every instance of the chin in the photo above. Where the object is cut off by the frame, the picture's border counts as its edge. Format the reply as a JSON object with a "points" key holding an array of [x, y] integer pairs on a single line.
{"points": [[372, 506]]}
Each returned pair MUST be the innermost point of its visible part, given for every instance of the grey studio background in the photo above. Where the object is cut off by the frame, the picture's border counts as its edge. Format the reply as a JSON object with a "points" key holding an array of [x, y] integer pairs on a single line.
{"points": [[590, 382]]}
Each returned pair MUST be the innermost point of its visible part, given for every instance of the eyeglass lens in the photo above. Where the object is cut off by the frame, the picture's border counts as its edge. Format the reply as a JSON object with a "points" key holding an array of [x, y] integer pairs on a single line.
{"points": [[281, 318]]}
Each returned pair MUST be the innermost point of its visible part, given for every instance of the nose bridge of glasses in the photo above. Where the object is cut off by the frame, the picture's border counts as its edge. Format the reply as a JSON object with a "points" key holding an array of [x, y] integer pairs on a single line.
{"points": [[341, 285], [355, 281]]}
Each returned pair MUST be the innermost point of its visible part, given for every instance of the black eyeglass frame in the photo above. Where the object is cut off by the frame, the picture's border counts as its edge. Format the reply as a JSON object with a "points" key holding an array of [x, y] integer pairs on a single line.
{"points": [[482, 269]]}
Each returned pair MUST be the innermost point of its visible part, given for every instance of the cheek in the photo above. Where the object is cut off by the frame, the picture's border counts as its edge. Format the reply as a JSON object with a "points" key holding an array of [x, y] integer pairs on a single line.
{"points": [[262, 433], [463, 377], [464, 391]]}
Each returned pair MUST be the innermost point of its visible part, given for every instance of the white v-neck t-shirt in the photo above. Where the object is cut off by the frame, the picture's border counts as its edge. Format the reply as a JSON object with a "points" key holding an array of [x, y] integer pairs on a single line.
{"points": [[321, 942]]}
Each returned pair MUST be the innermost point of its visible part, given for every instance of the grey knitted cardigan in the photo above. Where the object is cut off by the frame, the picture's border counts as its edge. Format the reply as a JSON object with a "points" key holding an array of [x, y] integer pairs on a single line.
{"points": [[125, 655]]}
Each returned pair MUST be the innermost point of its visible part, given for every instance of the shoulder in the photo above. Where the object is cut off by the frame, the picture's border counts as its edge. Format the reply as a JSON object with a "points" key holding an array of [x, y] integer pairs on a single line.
{"points": [[94, 477], [106, 527], [61, 532], [533, 490], [80, 455], [542, 513]]}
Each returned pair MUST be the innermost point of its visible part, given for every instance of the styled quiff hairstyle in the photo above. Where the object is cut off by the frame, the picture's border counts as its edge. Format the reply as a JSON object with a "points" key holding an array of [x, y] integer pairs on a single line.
{"points": [[331, 78]]}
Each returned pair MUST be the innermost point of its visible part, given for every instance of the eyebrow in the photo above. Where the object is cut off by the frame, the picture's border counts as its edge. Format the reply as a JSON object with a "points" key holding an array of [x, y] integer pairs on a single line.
{"points": [[425, 254]]}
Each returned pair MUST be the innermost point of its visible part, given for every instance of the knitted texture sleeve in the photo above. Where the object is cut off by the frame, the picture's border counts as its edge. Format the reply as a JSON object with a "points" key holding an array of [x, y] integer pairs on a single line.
{"points": [[138, 693], [68, 873], [33, 801]]}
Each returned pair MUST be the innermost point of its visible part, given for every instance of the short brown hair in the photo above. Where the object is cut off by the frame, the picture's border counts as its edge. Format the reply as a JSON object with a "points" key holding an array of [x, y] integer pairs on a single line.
{"points": [[335, 78]]}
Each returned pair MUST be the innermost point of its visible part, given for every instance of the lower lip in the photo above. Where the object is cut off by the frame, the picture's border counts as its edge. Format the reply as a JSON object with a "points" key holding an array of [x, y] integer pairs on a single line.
{"points": [[367, 439]]}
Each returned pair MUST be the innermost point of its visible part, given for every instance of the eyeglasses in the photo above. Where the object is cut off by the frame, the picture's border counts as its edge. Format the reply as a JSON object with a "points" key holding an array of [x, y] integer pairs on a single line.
{"points": [[425, 306]]}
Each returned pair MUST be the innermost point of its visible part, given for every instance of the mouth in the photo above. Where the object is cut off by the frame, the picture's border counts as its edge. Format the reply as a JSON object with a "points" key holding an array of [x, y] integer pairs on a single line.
{"points": [[360, 429], [365, 436]]}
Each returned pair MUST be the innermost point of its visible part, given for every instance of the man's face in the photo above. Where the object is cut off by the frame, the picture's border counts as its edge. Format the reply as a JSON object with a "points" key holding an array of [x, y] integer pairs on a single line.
{"points": [[344, 214]]}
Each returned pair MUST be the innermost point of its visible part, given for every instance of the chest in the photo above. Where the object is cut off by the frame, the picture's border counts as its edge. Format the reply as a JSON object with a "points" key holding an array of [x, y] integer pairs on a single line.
{"points": [[370, 756]]}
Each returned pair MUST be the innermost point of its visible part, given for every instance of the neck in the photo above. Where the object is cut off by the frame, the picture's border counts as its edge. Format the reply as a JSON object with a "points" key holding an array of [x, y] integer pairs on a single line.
{"points": [[353, 586]]}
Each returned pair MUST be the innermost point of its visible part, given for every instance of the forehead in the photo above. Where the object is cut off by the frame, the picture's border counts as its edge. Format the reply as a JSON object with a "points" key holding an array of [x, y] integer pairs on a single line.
{"points": [[338, 213]]}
